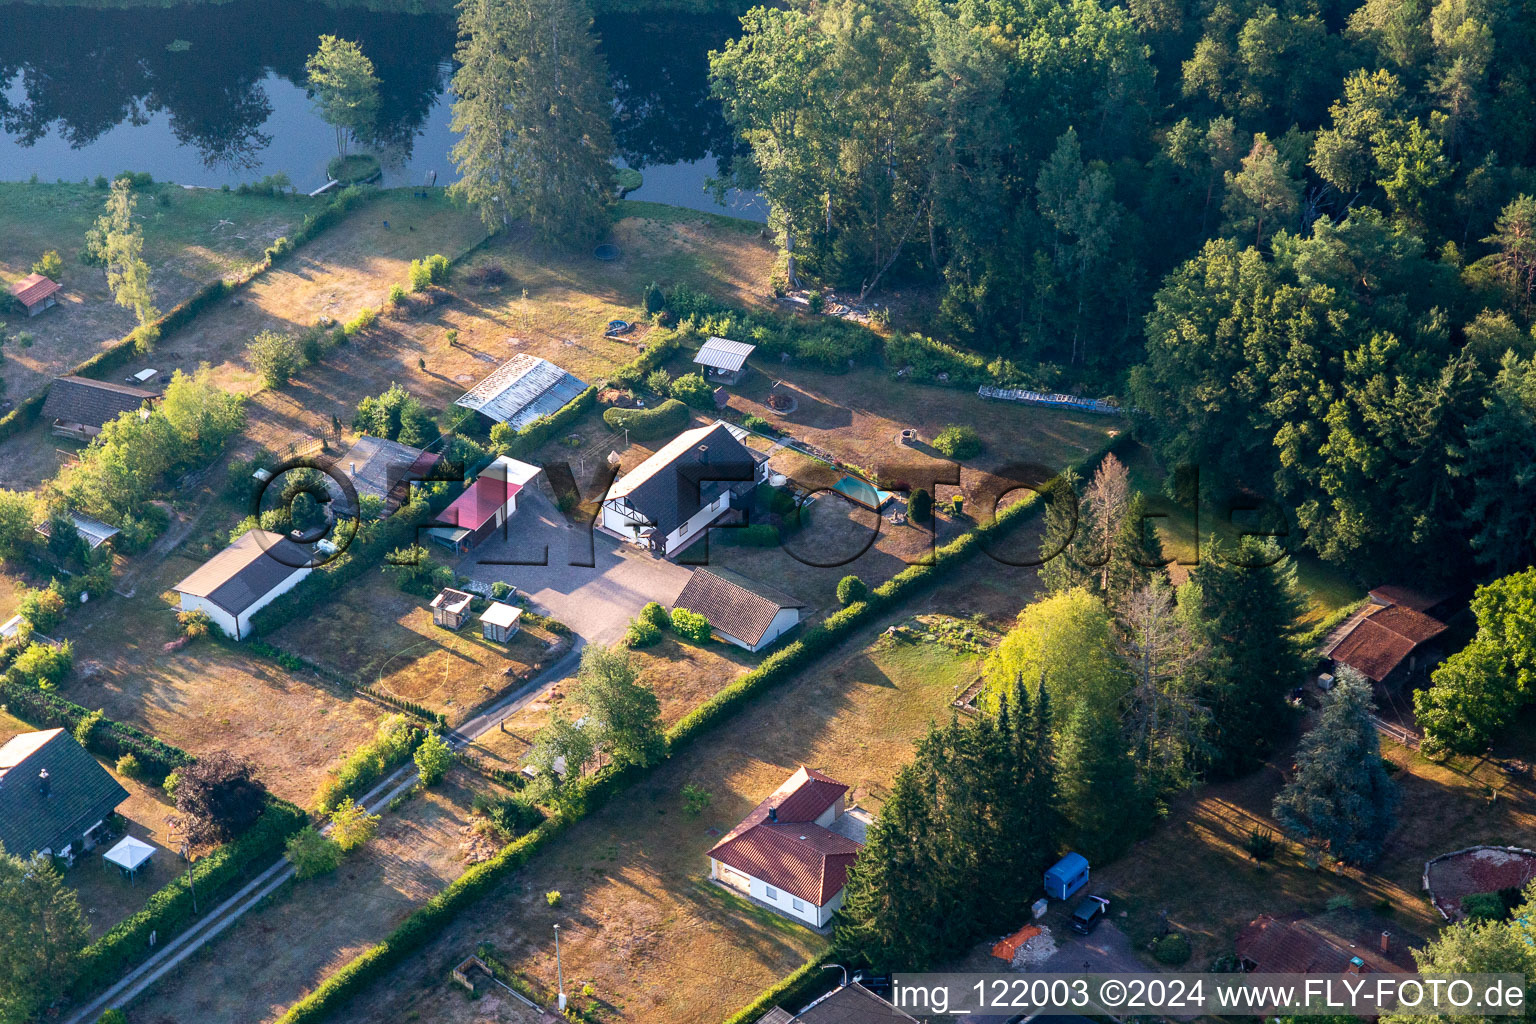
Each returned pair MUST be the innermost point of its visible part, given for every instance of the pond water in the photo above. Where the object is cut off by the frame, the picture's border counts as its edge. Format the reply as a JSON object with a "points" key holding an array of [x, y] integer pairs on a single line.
{"points": [[212, 94]]}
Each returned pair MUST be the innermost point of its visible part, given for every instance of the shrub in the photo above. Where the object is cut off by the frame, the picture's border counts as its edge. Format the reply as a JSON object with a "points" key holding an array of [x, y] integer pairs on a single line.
{"points": [[552, 897], [920, 506], [171, 782], [44, 607], [49, 265], [194, 624], [420, 276], [312, 853], [958, 441], [752, 421], [851, 589], [438, 267], [500, 590], [1171, 949], [396, 296], [365, 319], [42, 665], [667, 418], [1261, 844], [653, 299], [1484, 906], [113, 1016], [433, 759], [395, 415], [816, 301], [274, 356], [392, 743], [655, 613], [694, 390], [128, 766], [509, 816], [659, 381], [695, 799], [352, 826], [641, 634], [690, 625]]}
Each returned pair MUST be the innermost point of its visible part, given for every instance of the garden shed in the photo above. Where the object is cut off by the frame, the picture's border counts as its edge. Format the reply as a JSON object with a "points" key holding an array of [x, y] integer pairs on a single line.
{"points": [[724, 361], [450, 608], [36, 293], [500, 622], [1066, 876]]}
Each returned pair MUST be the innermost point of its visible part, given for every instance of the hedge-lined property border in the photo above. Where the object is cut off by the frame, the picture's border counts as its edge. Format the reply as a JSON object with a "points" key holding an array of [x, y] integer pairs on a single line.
{"points": [[797, 988], [110, 739], [594, 790], [119, 353], [169, 910]]}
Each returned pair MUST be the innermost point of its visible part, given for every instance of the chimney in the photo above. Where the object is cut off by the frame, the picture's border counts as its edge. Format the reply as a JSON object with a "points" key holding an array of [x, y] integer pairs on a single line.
{"points": [[42, 783], [1386, 941], [773, 812]]}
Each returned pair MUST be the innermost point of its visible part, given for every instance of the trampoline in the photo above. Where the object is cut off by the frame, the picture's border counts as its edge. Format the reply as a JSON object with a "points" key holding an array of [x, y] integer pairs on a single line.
{"points": [[607, 252], [862, 492]]}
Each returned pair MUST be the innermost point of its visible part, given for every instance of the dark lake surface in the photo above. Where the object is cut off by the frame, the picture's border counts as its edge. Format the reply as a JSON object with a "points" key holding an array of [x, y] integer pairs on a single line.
{"points": [[213, 94]]}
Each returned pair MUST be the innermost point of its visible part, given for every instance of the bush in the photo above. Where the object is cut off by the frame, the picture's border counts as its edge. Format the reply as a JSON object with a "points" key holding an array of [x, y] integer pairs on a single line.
{"points": [[694, 390], [655, 614], [641, 634], [690, 625], [666, 419], [194, 624], [958, 441], [128, 767], [352, 826], [1261, 844], [112, 1017], [1172, 949], [510, 816], [653, 299], [312, 853], [752, 421], [44, 607], [393, 741], [816, 301], [552, 897], [920, 506], [275, 357], [500, 590], [395, 415], [695, 799], [438, 268], [396, 296], [365, 319], [660, 382], [1484, 906], [49, 265], [433, 759], [42, 665], [851, 589], [420, 277]]}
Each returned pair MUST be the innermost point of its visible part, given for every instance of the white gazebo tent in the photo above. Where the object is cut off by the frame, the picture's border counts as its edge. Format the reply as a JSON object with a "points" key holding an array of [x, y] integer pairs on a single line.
{"points": [[130, 855]]}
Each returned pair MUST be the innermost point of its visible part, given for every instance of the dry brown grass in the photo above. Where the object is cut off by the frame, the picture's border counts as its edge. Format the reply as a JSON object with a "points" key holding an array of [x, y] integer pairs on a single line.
{"points": [[374, 634], [639, 921]]}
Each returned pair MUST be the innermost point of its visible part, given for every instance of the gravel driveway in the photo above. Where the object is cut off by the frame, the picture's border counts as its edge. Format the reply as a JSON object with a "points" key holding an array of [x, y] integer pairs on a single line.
{"points": [[596, 601]]}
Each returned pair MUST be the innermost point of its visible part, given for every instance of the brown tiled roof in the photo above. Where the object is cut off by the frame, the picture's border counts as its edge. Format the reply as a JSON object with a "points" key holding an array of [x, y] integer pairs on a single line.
{"points": [[246, 571], [1405, 598], [1383, 639], [733, 603], [852, 1004], [92, 402], [1297, 946], [793, 853], [34, 288]]}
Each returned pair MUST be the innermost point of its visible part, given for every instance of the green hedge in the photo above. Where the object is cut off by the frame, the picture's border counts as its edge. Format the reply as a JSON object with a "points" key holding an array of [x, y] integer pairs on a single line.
{"points": [[666, 419], [658, 347], [592, 791], [169, 910], [792, 992], [110, 739]]}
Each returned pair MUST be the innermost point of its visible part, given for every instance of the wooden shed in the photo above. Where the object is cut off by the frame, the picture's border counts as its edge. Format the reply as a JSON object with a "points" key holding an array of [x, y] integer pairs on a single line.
{"points": [[36, 293], [450, 608], [500, 622]]}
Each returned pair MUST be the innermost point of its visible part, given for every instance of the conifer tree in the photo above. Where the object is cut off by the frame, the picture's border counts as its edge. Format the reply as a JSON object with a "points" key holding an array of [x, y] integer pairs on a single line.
{"points": [[1102, 801]]}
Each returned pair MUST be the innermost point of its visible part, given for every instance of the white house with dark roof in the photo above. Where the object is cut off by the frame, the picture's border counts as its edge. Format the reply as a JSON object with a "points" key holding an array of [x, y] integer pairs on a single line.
{"points": [[244, 578], [53, 795], [669, 499], [793, 851], [742, 611], [521, 390]]}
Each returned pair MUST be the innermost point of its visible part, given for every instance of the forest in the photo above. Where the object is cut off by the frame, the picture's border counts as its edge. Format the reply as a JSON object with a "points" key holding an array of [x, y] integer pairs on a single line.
{"points": [[1294, 237]]}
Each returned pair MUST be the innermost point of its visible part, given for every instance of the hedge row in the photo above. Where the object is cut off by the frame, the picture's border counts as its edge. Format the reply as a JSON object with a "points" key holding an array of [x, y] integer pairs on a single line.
{"points": [[121, 352], [110, 739], [169, 910], [594, 790], [667, 419], [792, 992], [410, 707], [542, 429], [658, 347]]}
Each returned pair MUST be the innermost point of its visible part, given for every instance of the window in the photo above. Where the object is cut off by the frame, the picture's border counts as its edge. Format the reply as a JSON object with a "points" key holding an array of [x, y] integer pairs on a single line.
{"points": [[799, 905], [772, 893]]}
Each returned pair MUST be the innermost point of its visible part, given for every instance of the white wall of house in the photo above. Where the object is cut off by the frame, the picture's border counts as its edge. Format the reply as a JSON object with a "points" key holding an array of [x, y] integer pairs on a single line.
{"points": [[702, 518], [239, 627], [616, 520], [783, 902], [782, 622]]}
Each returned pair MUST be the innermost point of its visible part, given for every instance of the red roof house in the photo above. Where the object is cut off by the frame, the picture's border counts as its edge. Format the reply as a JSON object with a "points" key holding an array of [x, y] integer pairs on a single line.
{"points": [[794, 850], [484, 506], [36, 293], [1385, 640]]}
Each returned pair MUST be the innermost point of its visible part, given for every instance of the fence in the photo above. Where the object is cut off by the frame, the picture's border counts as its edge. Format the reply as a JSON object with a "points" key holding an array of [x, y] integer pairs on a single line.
{"points": [[1055, 401]]}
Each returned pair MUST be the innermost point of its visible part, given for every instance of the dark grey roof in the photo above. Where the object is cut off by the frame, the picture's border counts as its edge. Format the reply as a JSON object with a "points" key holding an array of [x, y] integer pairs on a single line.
{"points": [[733, 603], [521, 390], [80, 792], [92, 402], [686, 474], [854, 1004], [246, 571], [381, 465]]}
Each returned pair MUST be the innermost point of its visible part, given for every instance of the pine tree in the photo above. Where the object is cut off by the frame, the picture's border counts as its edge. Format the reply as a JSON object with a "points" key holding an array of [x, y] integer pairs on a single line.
{"points": [[1102, 801], [1247, 605], [533, 107], [1340, 796], [42, 932]]}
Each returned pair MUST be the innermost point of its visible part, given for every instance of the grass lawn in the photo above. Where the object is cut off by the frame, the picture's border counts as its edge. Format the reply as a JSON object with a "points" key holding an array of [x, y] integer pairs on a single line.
{"points": [[282, 949], [375, 634], [191, 236], [639, 921], [1328, 587], [209, 695]]}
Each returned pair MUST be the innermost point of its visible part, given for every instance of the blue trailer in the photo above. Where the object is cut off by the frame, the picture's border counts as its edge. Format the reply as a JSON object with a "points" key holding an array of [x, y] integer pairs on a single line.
{"points": [[1066, 876]]}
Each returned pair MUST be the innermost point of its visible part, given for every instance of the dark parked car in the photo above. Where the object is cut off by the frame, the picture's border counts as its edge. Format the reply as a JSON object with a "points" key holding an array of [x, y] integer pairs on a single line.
{"points": [[1085, 918]]}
